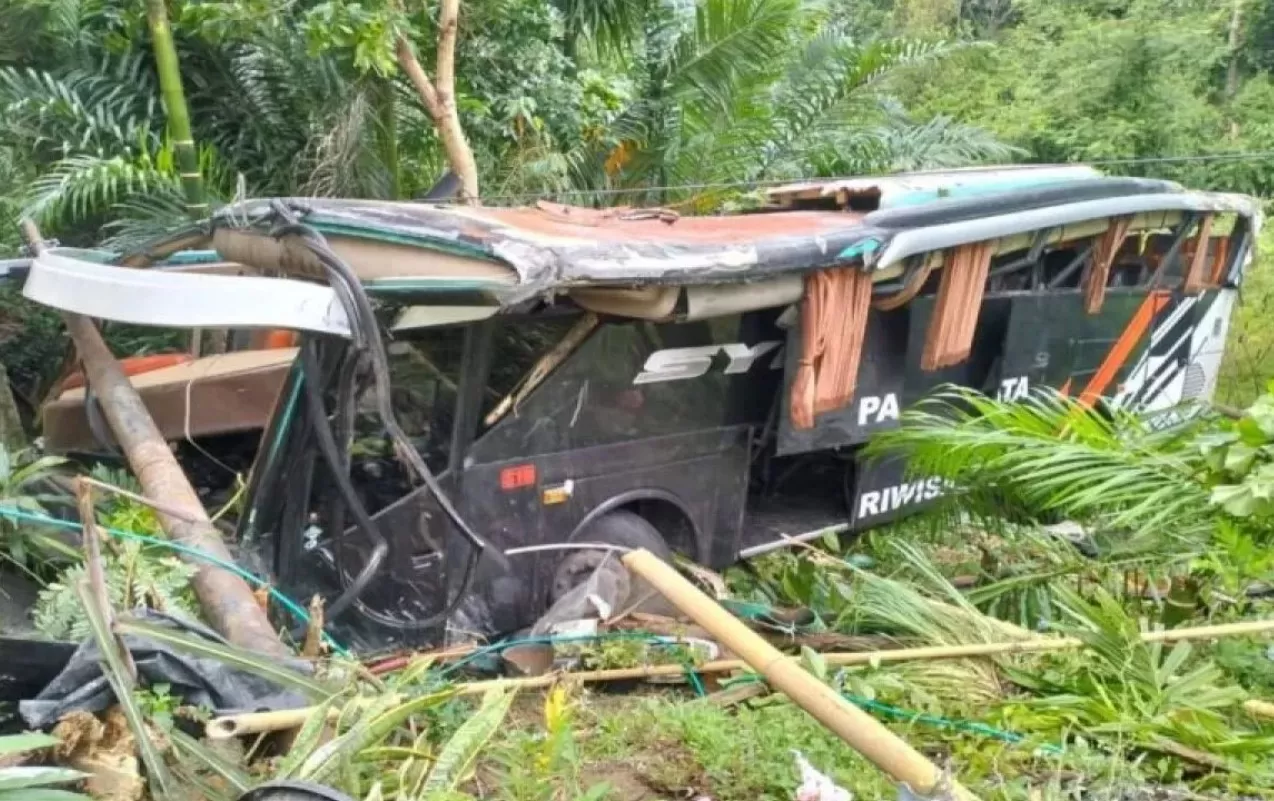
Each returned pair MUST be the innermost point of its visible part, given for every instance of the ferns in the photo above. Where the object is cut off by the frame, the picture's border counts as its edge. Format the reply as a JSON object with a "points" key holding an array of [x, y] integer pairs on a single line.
{"points": [[134, 578]]}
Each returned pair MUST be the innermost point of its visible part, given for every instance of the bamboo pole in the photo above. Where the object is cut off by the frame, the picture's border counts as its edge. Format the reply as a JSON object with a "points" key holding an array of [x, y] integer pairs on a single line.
{"points": [[169, 69], [168, 66], [225, 598], [859, 730], [257, 722]]}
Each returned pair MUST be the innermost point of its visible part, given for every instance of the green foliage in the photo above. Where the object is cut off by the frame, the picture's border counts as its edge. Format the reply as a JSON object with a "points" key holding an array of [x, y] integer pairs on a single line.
{"points": [[22, 476], [1249, 347], [137, 575], [1240, 458], [1053, 454], [34, 783], [1085, 81]]}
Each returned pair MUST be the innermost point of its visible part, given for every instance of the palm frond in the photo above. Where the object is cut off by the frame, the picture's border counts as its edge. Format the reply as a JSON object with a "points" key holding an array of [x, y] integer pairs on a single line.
{"points": [[80, 186], [143, 218], [107, 107], [344, 158], [731, 40], [612, 24], [1051, 454]]}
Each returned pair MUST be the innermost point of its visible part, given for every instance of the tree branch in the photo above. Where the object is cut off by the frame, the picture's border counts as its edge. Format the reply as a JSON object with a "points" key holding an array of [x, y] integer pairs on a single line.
{"points": [[448, 24], [415, 73], [439, 96]]}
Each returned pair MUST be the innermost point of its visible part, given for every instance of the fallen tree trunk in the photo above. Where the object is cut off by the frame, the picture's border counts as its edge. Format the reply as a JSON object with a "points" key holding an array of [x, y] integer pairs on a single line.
{"points": [[226, 599]]}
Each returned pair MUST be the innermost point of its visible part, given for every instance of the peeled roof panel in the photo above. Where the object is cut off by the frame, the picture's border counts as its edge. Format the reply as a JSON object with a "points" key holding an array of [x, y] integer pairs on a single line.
{"points": [[925, 187]]}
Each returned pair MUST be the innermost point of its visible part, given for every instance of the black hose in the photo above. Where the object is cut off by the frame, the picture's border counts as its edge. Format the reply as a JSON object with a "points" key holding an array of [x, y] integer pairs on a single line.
{"points": [[96, 420], [364, 333], [336, 465]]}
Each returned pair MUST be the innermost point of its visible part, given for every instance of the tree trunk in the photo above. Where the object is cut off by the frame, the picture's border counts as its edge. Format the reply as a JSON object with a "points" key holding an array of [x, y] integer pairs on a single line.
{"points": [[1232, 69], [439, 97], [225, 598]]}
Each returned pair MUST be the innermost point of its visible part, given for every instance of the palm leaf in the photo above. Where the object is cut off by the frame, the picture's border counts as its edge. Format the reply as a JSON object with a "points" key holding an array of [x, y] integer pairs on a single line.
{"points": [[306, 740], [41, 794], [209, 760], [257, 664], [1052, 454], [373, 727], [161, 783], [78, 187], [731, 40], [11, 744], [23, 777], [458, 754]]}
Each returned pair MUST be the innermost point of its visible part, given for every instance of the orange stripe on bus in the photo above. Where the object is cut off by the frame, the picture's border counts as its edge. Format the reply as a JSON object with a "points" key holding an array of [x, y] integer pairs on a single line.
{"points": [[1124, 346]]}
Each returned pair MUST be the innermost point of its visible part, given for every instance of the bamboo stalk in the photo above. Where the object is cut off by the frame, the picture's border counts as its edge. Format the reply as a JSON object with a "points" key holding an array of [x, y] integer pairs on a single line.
{"points": [[257, 722], [859, 730], [169, 69], [1259, 709]]}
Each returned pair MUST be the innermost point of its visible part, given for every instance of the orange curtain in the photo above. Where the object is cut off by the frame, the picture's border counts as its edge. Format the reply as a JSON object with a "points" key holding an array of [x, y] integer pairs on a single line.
{"points": [[1221, 261], [1194, 280], [1108, 246], [833, 326], [955, 315]]}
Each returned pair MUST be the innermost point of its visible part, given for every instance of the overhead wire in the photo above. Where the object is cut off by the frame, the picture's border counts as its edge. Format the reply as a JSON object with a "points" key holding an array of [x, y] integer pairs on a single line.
{"points": [[757, 183]]}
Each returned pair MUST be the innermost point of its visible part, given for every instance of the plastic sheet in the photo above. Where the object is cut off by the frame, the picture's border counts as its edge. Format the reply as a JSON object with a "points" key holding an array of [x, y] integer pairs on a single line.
{"points": [[196, 681]]}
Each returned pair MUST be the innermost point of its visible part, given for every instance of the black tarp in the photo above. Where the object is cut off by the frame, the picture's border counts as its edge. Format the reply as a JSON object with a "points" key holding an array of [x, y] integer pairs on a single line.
{"points": [[197, 681]]}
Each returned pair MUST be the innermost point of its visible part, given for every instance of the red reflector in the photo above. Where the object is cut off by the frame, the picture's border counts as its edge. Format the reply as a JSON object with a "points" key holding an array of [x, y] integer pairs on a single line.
{"points": [[522, 475]]}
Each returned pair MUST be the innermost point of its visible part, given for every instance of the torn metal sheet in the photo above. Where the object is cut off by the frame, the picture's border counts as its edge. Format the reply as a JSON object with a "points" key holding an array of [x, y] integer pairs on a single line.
{"points": [[69, 281], [890, 191]]}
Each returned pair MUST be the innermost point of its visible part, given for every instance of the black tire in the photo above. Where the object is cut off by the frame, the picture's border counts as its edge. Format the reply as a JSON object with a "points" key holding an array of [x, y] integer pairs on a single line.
{"points": [[621, 528]]}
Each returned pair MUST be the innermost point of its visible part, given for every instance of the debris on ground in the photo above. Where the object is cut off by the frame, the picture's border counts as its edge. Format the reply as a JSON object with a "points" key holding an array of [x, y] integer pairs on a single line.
{"points": [[200, 681], [104, 749], [815, 786]]}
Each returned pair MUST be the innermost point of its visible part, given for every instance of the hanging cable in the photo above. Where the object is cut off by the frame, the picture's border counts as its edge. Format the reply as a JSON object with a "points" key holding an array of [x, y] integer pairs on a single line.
{"points": [[365, 333], [337, 467]]}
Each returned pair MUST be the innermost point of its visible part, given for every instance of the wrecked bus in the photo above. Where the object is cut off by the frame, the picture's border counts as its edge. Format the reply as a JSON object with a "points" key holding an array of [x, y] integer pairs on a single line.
{"points": [[510, 381]]}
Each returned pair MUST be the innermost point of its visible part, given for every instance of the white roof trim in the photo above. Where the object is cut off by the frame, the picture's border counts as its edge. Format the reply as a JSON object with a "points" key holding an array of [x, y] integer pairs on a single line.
{"points": [[180, 299]]}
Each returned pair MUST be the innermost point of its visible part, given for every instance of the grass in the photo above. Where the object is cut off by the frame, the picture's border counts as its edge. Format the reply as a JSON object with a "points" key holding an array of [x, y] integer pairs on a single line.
{"points": [[670, 747], [1249, 356]]}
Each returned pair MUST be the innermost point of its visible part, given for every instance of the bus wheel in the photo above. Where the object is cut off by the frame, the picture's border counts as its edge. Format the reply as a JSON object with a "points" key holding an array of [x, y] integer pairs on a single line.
{"points": [[627, 530]]}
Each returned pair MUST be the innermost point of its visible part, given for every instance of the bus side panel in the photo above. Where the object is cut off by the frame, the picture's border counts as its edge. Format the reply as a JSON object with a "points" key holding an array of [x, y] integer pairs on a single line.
{"points": [[702, 473], [1183, 360], [634, 381], [889, 375], [1145, 350], [1054, 342], [876, 401]]}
